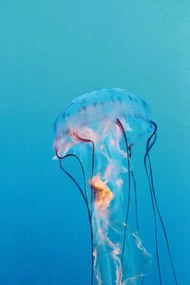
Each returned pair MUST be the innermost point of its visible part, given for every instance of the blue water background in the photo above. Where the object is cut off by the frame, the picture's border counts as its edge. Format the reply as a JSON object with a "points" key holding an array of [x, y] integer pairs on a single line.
{"points": [[51, 52]]}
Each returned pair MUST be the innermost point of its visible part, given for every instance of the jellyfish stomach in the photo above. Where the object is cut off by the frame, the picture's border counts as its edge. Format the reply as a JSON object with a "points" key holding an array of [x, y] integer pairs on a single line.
{"points": [[107, 252]]}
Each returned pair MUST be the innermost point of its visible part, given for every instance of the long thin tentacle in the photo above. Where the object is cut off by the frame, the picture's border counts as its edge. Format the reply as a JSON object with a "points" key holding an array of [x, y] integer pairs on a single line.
{"points": [[155, 222], [118, 122], [150, 142], [84, 196]]}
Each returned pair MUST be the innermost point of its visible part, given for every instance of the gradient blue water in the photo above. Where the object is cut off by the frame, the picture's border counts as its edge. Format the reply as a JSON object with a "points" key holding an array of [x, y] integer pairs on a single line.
{"points": [[51, 52]]}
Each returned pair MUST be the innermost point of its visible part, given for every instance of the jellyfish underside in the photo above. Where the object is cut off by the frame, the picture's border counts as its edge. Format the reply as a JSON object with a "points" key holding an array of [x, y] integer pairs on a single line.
{"points": [[99, 129]]}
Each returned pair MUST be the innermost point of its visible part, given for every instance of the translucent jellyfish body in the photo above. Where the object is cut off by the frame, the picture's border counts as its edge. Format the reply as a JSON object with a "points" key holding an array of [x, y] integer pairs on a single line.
{"points": [[99, 129]]}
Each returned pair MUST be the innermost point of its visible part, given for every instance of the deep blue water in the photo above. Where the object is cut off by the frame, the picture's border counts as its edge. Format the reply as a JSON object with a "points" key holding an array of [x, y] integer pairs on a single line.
{"points": [[50, 53]]}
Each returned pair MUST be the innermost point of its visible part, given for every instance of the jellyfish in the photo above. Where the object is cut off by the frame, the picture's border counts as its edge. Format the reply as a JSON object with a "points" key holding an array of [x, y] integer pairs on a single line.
{"points": [[100, 130]]}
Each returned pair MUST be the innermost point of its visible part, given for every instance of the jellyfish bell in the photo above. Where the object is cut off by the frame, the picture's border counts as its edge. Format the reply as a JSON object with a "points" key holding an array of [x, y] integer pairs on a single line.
{"points": [[85, 113], [99, 129]]}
